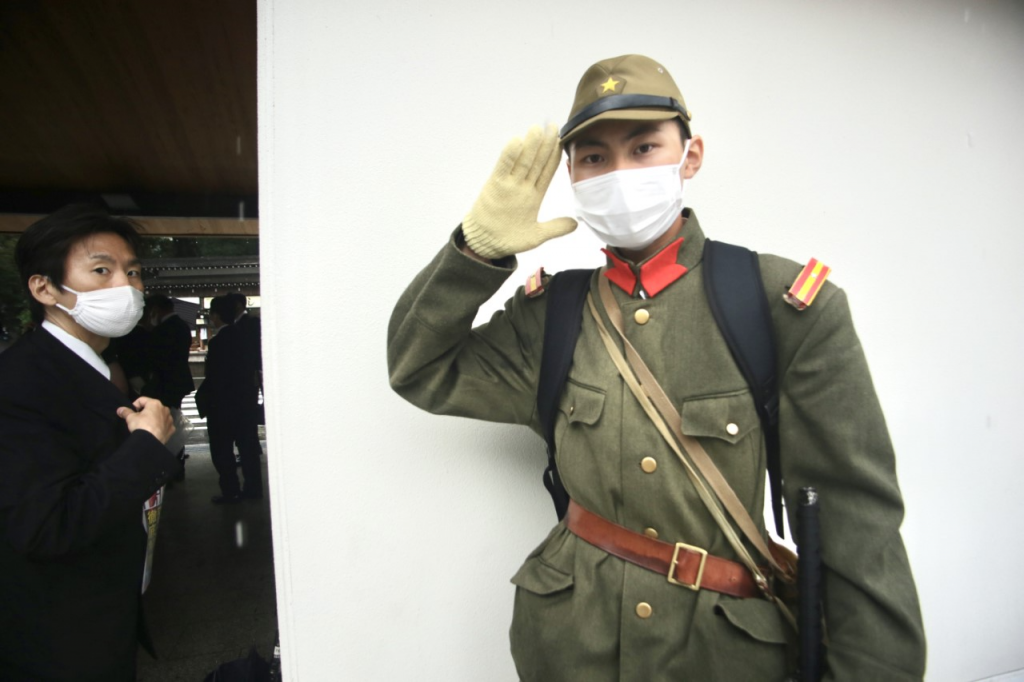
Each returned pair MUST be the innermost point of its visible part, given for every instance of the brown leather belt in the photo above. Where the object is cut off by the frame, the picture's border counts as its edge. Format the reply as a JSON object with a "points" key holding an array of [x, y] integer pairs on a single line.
{"points": [[684, 565]]}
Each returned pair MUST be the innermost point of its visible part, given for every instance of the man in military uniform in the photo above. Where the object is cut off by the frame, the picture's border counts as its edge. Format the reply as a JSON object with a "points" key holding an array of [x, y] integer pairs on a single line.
{"points": [[582, 613]]}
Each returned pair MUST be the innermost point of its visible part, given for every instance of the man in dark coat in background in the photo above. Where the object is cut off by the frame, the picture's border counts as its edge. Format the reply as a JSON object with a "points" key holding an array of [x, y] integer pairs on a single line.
{"points": [[251, 332], [170, 379], [228, 398]]}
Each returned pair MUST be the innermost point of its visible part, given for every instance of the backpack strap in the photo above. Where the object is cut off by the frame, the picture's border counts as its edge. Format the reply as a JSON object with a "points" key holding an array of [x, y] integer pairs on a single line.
{"points": [[566, 293], [735, 292]]}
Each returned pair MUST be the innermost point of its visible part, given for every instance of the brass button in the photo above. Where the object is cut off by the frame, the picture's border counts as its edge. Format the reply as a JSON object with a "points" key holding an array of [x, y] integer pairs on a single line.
{"points": [[572, 408], [648, 464], [651, 533], [644, 610], [641, 316], [732, 429]]}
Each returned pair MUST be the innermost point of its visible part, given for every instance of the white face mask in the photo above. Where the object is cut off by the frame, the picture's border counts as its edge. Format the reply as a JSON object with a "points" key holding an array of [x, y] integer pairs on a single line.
{"points": [[110, 312], [631, 208]]}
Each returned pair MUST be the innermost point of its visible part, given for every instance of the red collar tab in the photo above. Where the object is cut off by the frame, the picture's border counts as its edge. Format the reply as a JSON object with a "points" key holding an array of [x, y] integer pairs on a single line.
{"points": [[657, 273], [620, 273]]}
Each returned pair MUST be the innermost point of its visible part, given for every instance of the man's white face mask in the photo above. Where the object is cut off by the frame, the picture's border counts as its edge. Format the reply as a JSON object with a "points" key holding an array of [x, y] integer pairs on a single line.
{"points": [[631, 208], [110, 312]]}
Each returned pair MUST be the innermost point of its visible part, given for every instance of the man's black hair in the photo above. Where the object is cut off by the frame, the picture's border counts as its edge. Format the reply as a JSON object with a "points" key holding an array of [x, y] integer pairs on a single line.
{"points": [[684, 130], [223, 307], [160, 302], [238, 300], [44, 246]]}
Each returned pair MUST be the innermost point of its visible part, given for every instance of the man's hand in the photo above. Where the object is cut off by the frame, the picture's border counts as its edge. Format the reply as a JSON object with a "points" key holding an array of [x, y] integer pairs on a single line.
{"points": [[152, 416], [503, 221]]}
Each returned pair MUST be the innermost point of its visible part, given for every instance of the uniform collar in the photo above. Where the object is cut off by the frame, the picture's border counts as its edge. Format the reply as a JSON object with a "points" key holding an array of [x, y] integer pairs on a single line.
{"points": [[655, 273]]}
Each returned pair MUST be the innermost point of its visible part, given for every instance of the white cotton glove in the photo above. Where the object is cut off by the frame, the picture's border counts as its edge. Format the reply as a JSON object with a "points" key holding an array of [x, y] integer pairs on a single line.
{"points": [[503, 221]]}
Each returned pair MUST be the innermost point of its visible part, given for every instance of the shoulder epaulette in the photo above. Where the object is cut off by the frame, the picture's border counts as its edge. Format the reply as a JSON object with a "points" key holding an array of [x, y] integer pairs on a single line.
{"points": [[536, 283], [807, 285]]}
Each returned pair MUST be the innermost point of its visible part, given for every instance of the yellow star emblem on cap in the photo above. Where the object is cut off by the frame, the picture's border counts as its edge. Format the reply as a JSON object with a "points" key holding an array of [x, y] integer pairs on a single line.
{"points": [[609, 85]]}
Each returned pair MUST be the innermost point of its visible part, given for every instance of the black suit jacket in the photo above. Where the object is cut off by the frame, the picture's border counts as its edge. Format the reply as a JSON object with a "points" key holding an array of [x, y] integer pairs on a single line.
{"points": [[251, 331], [170, 379], [229, 390], [72, 546]]}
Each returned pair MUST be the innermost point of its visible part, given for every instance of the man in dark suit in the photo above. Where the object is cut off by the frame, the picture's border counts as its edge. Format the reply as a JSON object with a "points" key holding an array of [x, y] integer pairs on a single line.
{"points": [[77, 460], [250, 331], [170, 379], [228, 398]]}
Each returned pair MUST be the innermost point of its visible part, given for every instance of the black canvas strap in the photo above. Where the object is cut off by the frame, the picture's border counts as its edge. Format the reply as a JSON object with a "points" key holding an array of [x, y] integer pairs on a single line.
{"points": [[566, 293], [735, 292]]}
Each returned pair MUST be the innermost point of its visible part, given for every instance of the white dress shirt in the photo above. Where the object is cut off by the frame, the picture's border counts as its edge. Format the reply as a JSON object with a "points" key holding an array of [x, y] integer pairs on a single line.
{"points": [[79, 348]]}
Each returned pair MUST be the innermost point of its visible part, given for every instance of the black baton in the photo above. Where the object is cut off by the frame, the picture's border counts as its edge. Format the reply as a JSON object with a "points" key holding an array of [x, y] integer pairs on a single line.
{"points": [[809, 581]]}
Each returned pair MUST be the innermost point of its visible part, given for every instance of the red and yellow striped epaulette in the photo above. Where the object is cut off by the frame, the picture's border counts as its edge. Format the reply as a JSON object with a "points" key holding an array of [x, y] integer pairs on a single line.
{"points": [[807, 285], [536, 283]]}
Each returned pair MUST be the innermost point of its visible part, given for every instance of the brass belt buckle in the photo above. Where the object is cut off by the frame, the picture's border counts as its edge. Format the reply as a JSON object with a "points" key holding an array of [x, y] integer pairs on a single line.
{"points": [[695, 585]]}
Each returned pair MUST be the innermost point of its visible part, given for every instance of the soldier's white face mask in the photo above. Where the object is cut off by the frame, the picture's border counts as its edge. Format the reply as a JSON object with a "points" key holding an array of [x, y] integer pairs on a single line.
{"points": [[631, 208], [110, 312]]}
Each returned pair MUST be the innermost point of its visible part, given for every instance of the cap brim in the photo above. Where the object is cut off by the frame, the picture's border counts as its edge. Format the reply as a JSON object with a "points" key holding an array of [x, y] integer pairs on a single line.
{"points": [[624, 115]]}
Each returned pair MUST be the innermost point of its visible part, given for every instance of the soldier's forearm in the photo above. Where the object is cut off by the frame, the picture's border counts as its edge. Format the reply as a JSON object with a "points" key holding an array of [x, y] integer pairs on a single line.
{"points": [[438, 362]]}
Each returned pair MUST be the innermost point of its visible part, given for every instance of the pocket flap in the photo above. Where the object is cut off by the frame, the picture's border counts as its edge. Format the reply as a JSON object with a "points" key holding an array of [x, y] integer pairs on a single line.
{"points": [[759, 618], [548, 568], [581, 404], [541, 578], [728, 417]]}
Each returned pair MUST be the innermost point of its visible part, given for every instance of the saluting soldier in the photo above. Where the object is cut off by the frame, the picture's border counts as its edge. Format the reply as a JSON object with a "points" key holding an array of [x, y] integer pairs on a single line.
{"points": [[582, 612]]}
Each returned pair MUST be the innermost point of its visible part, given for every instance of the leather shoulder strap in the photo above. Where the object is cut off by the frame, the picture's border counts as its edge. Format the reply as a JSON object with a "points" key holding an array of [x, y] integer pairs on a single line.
{"points": [[735, 292], [566, 294]]}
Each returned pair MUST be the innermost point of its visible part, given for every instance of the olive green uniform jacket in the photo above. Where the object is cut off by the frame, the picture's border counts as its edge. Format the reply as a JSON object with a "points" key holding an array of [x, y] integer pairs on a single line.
{"points": [[575, 614]]}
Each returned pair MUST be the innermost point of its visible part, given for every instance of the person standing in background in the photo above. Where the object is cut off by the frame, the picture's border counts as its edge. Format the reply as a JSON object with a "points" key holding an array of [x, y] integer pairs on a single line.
{"points": [[251, 334], [228, 399], [169, 378]]}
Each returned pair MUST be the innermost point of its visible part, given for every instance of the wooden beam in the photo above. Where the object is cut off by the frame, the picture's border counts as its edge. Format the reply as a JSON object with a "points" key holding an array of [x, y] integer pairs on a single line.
{"points": [[158, 227]]}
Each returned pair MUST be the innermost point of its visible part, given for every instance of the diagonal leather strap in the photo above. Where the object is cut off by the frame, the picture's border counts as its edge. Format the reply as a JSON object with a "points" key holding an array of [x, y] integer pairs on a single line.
{"points": [[659, 423], [681, 564], [691, 445], [758, 574]]}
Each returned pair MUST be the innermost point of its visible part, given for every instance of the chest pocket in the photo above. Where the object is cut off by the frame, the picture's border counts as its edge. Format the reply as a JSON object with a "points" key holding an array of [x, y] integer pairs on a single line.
{"points": [[577, 431], [581, 404], [730, 417]]}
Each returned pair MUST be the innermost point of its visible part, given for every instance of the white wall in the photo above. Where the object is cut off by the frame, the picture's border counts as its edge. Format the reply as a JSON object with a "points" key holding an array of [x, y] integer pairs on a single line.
{"points": [[883, 138]]}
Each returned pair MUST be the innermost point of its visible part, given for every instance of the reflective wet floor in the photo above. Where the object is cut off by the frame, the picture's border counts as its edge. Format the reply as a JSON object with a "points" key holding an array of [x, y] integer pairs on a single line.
{"points": [[211, 597]]}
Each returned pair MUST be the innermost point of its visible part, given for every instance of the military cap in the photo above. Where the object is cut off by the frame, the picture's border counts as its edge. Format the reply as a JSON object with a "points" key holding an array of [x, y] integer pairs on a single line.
{"points": [[631, 87]]}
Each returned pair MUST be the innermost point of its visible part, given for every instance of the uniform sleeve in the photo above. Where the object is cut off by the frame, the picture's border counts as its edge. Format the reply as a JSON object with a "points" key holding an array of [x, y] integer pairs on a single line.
{"points": [[438, 362], [834, 437], [53, 507]]}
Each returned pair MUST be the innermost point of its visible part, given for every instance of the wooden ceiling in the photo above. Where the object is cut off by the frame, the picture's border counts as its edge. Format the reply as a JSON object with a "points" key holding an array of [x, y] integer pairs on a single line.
{"points": [[147, 107]]}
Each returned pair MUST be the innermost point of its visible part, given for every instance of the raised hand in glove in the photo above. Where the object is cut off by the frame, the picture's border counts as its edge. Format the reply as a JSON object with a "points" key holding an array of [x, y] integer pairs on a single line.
{"points": [[503, 221]]}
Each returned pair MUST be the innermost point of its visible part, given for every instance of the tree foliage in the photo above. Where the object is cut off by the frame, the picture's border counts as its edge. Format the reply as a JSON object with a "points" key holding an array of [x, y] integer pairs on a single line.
{"points": [[13, 306]]}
